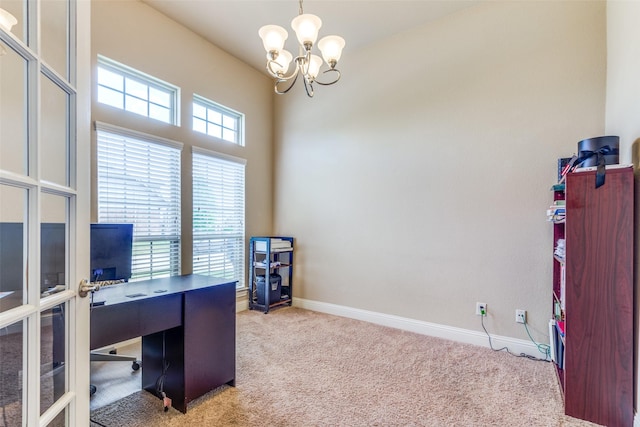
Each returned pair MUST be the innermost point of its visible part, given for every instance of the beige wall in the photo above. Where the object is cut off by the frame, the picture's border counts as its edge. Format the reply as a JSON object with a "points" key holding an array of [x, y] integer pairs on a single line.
{"points": [[623, 103], [134, 34], [418, 184], [623, 82]]}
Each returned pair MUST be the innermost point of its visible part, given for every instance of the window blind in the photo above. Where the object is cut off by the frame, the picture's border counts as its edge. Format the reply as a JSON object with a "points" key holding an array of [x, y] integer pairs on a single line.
{"points": [[218, 216], [139, 183]]}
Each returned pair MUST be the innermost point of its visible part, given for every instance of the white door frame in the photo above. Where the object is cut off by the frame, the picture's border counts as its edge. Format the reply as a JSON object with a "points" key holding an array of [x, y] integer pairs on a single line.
{"points": [[80, 342], [75, 397]]}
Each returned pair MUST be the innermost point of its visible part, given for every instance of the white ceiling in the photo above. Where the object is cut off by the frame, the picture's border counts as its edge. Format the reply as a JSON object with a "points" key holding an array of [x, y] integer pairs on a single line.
{"points": [[233, 24]]}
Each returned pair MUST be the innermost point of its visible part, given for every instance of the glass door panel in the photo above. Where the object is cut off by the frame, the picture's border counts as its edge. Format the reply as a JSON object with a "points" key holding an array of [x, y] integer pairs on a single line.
{"points": [[11, 373], [17, 9], [53, 355], [54, 19], [54, 148], [13, 111], [12, 246], [60, 420], [53, 244]]}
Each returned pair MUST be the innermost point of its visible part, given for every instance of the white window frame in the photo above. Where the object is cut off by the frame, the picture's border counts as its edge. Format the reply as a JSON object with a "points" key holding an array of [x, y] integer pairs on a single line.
{"points": [[138, 77], [219, 215], [210, 125], [142, 185]]}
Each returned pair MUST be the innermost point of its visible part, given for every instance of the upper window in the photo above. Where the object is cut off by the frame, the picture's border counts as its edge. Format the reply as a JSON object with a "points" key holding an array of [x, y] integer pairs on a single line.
{"points": [[217, 121], [139, 183], [131, 90]]}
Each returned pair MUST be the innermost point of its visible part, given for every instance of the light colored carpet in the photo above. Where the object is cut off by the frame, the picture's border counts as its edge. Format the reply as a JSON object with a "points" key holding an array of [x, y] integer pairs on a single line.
{"points": [[302, 368]]}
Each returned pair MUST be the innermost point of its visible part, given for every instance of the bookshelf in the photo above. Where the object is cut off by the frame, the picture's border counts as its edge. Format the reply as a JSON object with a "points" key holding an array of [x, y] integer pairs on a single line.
{"points": [[592, 321]]}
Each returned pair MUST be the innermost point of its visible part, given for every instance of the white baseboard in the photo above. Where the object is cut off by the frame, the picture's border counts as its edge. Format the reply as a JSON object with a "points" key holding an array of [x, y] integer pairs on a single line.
{"points": [[636, 420], [242, 304], [467, 336]]}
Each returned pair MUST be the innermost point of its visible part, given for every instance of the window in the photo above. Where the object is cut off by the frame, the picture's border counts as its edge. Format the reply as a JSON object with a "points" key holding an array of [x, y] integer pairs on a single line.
{"points": [[217, 121], [218, 215], [139, 183], [131, 90]]}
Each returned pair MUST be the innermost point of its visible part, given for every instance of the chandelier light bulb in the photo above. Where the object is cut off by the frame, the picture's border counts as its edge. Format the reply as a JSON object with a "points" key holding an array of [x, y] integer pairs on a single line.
{"points": [[331, 48], [7, 20], [281, 64], [306, 27], [315, 62], [273, 37]]}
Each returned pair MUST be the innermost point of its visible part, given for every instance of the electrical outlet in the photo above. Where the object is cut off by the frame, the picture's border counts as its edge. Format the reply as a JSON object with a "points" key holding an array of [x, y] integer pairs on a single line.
{"points": [[521, 316], [481, 309]]}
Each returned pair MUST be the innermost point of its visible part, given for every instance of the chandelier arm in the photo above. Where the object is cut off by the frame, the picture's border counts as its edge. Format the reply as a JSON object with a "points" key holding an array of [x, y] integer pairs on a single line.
{"points": [[269, 69], [304, 60], [308, 87], [331, 82], [283, 80], [277, 75]]}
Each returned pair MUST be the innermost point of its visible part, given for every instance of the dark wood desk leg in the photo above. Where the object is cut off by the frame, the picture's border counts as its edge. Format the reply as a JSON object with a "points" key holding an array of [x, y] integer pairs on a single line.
{"points": [[171, 342], [210, 339]]}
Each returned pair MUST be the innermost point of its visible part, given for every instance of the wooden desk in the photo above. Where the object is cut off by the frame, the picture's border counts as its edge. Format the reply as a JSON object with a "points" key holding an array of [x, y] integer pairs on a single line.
{"points": [[190, 319]]}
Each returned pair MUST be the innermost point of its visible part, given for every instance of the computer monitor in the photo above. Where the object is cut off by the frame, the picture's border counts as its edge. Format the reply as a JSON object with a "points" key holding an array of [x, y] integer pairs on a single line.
{"points": [[53, 264], [52, 255], [11, 256], [111, 251]]}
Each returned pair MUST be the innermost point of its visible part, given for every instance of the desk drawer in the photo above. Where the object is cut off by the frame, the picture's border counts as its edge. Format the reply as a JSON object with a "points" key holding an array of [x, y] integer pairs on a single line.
{"points": [[119, 322]]}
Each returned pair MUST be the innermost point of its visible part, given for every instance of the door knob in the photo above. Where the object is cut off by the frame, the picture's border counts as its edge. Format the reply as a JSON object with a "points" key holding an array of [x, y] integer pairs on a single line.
{"points": [[86, 287]]}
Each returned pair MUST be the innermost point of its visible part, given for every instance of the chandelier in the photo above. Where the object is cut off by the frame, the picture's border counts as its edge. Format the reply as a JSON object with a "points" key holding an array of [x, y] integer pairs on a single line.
{"points": [[306, 64]]}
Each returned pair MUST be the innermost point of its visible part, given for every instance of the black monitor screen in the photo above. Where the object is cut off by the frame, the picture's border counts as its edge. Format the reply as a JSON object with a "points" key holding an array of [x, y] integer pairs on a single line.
{"points": [[11, 256], [53, 253], [111, 247], [52, 261]]}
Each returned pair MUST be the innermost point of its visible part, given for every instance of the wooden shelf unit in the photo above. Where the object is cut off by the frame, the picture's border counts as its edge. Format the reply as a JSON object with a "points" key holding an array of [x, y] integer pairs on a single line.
{"points": [[597, 376]]}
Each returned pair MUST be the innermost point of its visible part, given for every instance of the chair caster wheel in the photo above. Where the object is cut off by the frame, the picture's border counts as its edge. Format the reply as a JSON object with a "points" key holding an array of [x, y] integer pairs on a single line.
{"points": [[135, 366]]}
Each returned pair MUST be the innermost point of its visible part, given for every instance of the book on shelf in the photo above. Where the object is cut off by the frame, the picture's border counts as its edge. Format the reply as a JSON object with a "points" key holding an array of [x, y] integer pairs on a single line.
{"points": [[552, 340], [557, 310], [263, 264], [560, 326], [557, 211], [276, 245], [559, 250], [559, 352], [563, 286]]}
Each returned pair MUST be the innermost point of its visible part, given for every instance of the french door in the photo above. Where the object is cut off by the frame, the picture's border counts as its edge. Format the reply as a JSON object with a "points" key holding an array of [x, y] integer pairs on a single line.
{"points": [[44, 211]]}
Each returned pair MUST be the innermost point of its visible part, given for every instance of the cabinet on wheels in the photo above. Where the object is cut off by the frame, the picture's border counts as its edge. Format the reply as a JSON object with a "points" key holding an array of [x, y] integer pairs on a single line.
{"points": [[592, 327], [270, 272]]}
